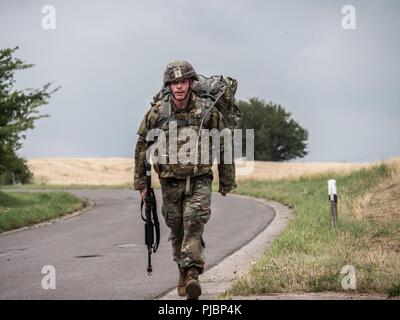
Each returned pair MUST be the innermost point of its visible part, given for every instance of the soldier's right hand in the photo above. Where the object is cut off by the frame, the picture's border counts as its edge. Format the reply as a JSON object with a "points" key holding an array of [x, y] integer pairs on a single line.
{"points": [[143, 193]]}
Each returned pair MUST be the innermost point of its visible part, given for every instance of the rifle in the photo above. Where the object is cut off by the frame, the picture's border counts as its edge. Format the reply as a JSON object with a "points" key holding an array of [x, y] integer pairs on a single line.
{"points": [[150, 219]]}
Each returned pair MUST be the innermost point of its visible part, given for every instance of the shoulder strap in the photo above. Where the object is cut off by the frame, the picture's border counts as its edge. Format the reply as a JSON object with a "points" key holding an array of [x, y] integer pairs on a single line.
{"points": [[165, 111], [166, 114], [207, 103]]}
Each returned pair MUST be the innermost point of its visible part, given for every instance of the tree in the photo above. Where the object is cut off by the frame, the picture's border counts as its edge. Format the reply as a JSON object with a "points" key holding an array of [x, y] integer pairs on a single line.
{"points": [[18, 112], [277, 137]]}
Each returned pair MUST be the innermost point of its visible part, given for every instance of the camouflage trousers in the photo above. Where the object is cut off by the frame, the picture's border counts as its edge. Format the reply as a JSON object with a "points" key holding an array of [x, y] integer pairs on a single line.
{"points": [[186, 215]]}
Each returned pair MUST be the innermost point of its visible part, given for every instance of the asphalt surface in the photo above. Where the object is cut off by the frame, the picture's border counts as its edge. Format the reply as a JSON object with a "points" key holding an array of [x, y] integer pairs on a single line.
{"points": [[100, 254]]}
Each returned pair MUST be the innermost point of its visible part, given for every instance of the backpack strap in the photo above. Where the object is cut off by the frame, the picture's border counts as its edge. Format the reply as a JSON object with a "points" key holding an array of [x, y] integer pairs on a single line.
{"points": [[165, 111], [207, 103]]}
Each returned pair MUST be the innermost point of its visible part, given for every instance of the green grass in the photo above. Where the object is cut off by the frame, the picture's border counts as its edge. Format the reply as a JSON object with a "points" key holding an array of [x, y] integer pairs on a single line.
{"points": [[310, 254], [36, 186], [394, 291], [19, 209]]}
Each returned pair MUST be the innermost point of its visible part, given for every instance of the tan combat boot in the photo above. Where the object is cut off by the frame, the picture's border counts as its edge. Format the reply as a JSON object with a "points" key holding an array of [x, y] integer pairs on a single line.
{"points": [[193, 288], [182, 282]]}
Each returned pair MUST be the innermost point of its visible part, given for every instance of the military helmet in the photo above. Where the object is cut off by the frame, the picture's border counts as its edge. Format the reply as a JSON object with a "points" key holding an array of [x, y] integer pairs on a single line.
{"points": [[179, 70]]}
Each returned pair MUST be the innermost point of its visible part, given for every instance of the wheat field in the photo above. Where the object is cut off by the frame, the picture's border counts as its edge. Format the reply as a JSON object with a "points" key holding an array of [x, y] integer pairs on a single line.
{"points": [[119, 171]]}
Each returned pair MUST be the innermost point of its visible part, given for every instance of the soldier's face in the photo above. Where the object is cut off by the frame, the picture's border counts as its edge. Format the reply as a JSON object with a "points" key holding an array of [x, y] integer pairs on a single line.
{"points": [[180, 89]]}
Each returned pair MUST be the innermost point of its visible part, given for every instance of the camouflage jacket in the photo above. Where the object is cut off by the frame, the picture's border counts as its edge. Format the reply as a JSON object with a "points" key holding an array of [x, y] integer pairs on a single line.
{"points": [[191, 117]]}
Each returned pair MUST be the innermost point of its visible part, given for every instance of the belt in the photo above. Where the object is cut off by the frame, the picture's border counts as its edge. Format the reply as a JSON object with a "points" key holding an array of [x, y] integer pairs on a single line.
{"points": [[193, 178]]}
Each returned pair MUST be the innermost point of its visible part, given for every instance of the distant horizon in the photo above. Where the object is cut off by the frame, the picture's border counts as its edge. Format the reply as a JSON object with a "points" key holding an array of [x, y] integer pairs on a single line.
{"points": [[288, 161]]}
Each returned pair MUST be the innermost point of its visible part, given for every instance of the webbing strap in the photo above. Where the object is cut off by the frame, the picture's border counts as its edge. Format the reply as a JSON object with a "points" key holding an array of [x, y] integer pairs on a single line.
{"points": [[166, 113]]}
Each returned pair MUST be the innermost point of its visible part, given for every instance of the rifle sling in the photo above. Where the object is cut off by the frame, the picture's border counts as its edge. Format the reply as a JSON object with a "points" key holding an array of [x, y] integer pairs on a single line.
{"points": [[155, 221]]}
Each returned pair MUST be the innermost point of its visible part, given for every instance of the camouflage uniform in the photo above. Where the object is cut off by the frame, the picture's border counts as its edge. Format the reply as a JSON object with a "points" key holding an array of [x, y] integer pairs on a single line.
{"points": [[185, 213]]}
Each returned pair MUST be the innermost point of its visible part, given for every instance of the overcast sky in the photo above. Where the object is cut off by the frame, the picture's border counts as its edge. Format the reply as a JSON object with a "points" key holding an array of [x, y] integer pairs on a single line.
{"points": [[109, 56]]}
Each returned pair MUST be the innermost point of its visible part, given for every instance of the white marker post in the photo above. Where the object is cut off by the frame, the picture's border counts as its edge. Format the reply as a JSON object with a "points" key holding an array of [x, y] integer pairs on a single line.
{"points": [[333, 199]]}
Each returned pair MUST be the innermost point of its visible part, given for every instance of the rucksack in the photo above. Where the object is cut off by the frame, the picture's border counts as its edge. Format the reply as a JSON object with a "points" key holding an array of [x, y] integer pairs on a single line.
{"points": [[223, 89], [217, 87]]}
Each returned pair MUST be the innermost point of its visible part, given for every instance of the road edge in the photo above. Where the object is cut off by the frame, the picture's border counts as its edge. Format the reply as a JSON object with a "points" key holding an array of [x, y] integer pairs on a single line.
{"points": [[219, 278]]}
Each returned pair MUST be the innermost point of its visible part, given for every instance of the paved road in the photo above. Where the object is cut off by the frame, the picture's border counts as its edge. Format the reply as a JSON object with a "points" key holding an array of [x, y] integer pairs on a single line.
{"points": [[101, 254]]}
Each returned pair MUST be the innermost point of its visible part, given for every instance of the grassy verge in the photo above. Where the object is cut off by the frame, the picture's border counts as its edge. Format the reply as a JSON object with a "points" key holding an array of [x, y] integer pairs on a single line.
{"points": [[41, 186], [19, 209], [310, 254]]}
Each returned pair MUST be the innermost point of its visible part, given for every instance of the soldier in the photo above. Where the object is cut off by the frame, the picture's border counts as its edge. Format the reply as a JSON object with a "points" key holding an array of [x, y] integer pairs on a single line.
{"points": [[186, 187]]}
